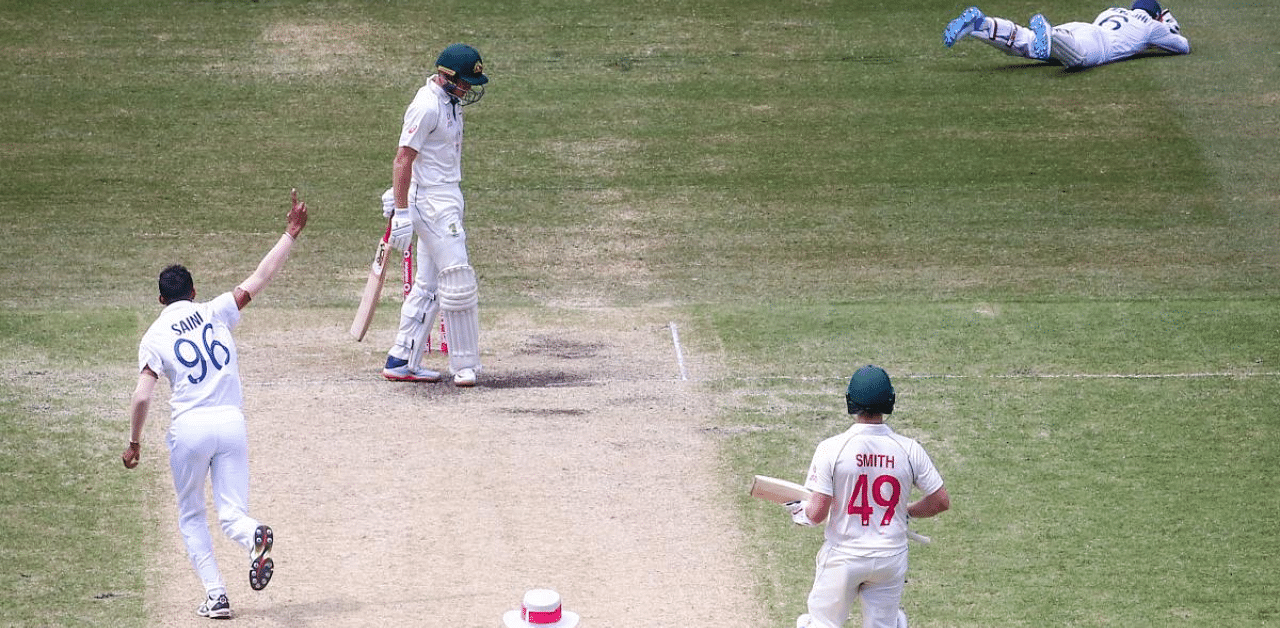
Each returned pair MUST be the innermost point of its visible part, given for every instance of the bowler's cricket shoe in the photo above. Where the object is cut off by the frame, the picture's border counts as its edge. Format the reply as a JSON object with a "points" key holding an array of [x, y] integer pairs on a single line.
{"points": [[1043, 43], [215, 608], [969, 21], [260, 564], [397, 370], [464, 378]]}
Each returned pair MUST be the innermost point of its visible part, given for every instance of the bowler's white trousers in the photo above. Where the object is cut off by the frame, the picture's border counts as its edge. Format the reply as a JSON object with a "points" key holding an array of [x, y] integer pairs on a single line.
{"points": [[213, 443]]}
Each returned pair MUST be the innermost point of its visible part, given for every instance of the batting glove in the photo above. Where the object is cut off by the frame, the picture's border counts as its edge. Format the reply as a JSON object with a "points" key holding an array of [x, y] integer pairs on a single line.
{"points": [[1170, 21], [388, 202], [401, 229], [798, 513]]}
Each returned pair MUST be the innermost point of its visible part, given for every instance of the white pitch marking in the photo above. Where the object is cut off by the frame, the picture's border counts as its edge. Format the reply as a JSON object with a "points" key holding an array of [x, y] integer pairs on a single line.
{"points": [[1198, 375], [675, 340], [367, 381]]}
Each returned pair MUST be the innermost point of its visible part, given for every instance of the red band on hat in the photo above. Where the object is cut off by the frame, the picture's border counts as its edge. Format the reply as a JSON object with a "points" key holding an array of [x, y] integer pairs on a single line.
{"points": [[541, 617]]}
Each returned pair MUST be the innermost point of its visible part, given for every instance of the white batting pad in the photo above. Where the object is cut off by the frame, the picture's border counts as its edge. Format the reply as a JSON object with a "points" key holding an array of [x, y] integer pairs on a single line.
{"points": [[419, 308], [459, 301]]}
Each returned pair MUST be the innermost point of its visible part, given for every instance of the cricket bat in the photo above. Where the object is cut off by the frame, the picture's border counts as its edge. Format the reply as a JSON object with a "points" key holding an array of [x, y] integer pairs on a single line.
{"points": [[372, 287], [777, 491], [781, 491]]}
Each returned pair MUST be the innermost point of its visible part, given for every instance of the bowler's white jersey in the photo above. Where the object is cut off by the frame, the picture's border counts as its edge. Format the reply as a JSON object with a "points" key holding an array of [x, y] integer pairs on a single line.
{"points": [[191, 344], [869, 471], [1120, 33], [433, 128]]}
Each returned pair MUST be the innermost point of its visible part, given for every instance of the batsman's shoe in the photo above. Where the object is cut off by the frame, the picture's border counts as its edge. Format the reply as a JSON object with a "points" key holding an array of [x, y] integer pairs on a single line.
{"points": [[465, 378], [215, 608], [1043, 43], [969, 21], [260, 564], [398, 370], [802, 621]]}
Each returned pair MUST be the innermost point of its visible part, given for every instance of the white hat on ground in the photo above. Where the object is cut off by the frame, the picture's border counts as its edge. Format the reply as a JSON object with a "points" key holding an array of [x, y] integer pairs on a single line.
{"points": [[540, 609]]}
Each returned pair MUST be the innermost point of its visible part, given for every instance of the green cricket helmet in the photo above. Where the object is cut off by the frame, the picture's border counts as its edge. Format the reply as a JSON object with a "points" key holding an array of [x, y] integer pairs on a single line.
{"points": [[463, 71], [870, 391]]}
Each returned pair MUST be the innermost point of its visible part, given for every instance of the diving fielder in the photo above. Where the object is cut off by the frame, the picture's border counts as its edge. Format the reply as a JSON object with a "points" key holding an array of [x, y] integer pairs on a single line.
{"points": [[861, 482], [191, 344], [1115, 34], [426, 199]]}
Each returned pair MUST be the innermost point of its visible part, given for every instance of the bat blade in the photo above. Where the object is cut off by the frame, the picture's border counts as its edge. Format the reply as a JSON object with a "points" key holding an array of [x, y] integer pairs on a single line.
{"points": [[372, 288], [777, 491]]}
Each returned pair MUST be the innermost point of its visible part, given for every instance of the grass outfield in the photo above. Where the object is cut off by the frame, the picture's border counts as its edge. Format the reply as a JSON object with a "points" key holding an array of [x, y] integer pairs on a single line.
{"points": [[1072, 277]]}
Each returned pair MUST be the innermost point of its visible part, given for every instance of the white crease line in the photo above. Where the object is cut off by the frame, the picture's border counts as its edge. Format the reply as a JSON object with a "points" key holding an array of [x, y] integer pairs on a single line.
{"points": [[1101, 376], [376, 380], [675, 340], [1204, 375]]}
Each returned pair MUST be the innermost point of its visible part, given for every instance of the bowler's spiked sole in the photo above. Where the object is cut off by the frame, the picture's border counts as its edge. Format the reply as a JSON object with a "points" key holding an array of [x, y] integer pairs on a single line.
{"points": [[261, 566]]}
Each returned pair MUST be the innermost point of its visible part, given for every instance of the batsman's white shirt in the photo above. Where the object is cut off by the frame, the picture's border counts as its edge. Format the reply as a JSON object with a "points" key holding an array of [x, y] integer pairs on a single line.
{"points": [[869, 471], [191, 344], [433, 128], [1120, 33]]}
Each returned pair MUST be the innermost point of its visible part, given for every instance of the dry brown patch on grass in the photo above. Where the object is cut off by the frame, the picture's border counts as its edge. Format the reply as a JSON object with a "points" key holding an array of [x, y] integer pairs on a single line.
{"points": [[597, 157], [609, 244], [312, 48]]}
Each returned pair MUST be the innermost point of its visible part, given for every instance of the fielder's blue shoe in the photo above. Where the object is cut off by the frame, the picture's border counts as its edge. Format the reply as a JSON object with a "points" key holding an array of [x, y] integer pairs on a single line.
{"points": [[1043, 44], [968, 22]]}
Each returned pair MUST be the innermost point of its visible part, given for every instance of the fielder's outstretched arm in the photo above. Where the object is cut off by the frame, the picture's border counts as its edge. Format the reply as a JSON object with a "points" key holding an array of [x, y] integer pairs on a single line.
{"points": [[276, 257]]}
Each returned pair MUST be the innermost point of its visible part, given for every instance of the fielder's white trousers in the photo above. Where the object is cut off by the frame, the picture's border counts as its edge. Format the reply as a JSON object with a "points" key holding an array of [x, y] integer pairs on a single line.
{"points": [[442, 243], [1075, 44], [1079, 44], [211, 443], [841, 576], [1007, 36]]}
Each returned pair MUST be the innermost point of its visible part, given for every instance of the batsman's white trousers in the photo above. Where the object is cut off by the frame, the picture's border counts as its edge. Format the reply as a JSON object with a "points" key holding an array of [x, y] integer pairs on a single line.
{"points": [[211, 442], [442, 243], [841, 576]]}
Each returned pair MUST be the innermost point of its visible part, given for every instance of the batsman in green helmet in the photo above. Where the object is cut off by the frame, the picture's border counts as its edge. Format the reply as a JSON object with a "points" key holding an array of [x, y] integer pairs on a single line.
{"points": [[425, 200], [861, 482]]}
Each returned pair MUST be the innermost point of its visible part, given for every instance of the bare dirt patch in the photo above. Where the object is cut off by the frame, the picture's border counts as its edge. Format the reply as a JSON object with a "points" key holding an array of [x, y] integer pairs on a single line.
{"points": [[293, 48], [582, 463]]}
